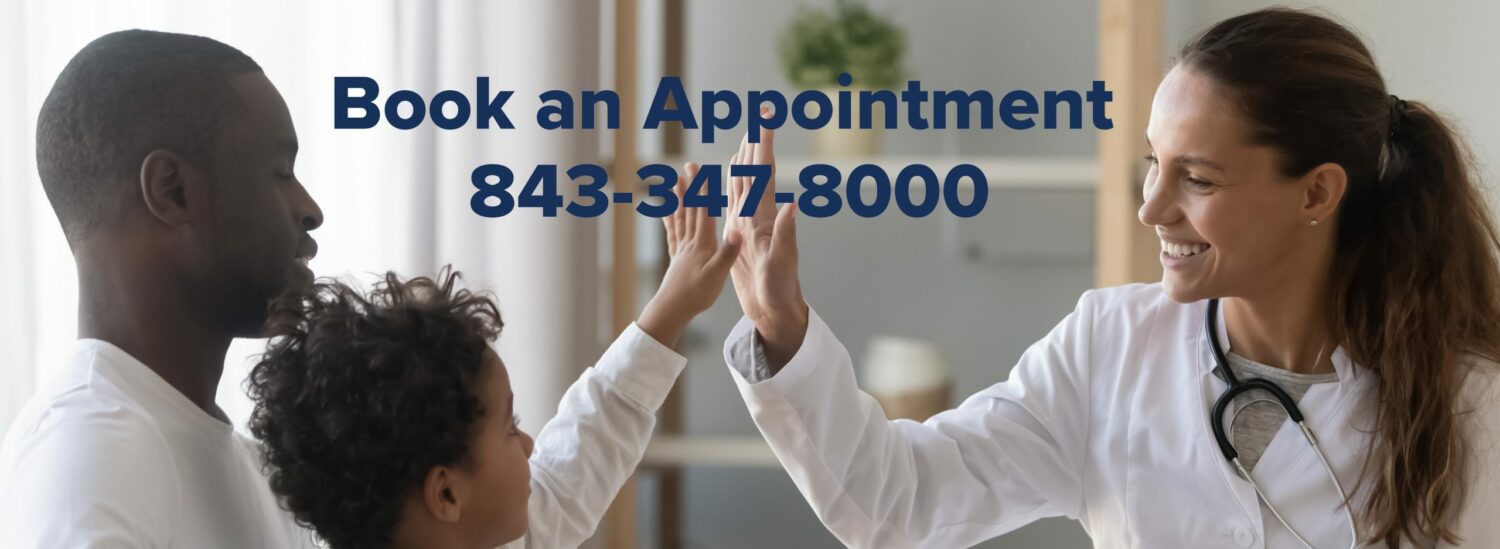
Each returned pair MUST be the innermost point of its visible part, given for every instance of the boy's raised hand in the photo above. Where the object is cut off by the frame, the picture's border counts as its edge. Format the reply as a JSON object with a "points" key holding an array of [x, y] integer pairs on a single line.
{"points": [[699, 266]]}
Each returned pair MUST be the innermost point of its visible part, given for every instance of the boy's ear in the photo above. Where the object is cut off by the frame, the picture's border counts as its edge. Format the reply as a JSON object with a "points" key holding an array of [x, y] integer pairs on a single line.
{"points": [[165, 186], [444, 494]]}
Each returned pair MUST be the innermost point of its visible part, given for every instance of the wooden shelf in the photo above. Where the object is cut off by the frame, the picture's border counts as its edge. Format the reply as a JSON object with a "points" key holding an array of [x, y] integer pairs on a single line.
{"points": [[678, 451], [1072, 173]]}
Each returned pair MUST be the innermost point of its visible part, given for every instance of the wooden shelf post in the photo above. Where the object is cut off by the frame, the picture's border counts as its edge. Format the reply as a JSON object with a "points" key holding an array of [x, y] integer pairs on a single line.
{"points": [[1130, 63]]}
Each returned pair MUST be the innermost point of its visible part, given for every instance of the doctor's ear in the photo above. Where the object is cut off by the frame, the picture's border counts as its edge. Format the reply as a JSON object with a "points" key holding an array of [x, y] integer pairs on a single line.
{"points": [[1324, 189], [170, 187]]}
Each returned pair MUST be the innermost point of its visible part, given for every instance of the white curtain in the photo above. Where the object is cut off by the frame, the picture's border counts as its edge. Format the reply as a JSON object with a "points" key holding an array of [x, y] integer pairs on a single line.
{"points": [[393, 199]]}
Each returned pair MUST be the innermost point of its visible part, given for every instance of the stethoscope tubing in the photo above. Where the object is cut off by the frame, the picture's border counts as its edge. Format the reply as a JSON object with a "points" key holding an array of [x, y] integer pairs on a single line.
{"points": [[1226, 446]]}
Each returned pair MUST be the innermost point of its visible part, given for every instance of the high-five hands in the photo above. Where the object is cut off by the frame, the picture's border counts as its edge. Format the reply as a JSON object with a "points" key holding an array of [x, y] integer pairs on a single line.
{"points": [[765, 269], [697, 271]]}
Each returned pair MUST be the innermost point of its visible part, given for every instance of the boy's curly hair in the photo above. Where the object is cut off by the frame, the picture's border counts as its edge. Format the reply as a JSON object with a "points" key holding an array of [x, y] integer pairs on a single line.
{"points": [[358, 397]]}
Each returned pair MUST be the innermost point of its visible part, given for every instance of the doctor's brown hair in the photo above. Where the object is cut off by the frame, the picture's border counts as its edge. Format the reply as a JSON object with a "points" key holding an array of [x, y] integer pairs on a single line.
{"points": [[1416, 287]]}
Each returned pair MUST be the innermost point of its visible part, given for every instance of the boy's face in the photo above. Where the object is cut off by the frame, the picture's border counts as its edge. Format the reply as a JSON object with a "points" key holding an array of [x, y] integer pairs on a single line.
{"points": [[500, 462]]}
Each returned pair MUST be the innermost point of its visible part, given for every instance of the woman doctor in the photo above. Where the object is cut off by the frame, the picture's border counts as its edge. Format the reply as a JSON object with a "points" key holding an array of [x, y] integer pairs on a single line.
{"points": [[1351, 262]]}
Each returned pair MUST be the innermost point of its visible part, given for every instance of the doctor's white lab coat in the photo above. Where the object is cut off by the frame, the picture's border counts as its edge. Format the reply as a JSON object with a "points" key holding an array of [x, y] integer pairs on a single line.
{"points": [[1105, 420]]}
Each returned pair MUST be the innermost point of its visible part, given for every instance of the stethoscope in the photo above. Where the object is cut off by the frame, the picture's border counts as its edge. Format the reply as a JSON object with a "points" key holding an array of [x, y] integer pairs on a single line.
{"points": [[1236, 387]]}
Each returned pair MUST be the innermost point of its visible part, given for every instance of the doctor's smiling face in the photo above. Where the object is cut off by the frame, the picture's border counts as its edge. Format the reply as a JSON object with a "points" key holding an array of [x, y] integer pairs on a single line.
{"points": [[1231, 224]]}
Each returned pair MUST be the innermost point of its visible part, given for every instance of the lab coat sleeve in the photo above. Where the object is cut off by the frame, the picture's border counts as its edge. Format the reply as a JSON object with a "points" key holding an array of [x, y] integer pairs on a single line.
{"points": [[593, 444], [1006, 457]]}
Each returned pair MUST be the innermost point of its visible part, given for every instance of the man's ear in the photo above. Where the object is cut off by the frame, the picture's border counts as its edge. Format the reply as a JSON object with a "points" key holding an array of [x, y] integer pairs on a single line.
{"points": [[164, 186], [443, 494]]}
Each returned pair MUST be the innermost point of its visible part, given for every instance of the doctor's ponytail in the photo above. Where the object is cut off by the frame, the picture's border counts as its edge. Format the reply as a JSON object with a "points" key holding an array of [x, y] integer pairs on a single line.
{"points": [[1416, 282]]}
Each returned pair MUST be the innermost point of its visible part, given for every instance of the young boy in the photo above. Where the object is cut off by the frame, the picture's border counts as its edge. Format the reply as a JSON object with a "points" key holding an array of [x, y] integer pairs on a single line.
{"points": [[387, 419]]}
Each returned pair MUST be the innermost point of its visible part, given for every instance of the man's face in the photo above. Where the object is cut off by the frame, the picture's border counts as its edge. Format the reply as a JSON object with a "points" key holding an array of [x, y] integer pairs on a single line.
{"points": [[257, 235]]}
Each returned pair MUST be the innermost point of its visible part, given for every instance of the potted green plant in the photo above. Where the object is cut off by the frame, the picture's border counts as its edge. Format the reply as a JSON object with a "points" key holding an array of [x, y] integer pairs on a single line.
{"points": [[820, 45]]}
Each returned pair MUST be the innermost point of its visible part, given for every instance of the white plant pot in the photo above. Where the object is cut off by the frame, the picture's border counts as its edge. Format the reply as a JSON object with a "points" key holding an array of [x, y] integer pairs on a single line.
{"points": [[908, 377], [830, 140]]}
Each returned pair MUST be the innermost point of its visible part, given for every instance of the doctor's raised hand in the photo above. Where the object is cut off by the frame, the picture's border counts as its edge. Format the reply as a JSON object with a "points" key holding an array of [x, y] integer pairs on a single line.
{"points": [[765, 271]]}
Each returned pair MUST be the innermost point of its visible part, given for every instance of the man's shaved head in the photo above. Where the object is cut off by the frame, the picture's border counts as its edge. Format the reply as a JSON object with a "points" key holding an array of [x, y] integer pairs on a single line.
{"points": [[122, 96]]}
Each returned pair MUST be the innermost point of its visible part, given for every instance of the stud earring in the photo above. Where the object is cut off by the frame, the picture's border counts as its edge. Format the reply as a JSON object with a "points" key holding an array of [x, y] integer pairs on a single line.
{"points": [[1313, 222]]}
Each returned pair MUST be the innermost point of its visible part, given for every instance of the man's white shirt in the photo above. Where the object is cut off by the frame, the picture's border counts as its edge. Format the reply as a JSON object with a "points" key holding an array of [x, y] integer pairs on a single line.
{"points": [[107, 454]]}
